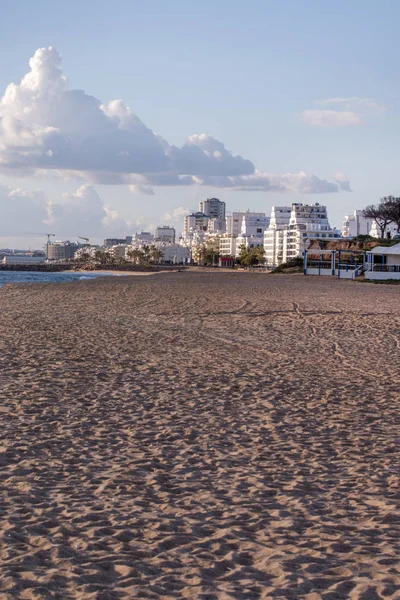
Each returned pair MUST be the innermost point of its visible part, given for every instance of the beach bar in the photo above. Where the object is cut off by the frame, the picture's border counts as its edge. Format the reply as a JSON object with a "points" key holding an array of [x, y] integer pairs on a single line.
{"points": [[383, 263]]}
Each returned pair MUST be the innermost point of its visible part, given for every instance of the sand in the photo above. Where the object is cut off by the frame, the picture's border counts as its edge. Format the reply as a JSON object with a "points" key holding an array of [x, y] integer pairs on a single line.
{"points": [[211, 436]]}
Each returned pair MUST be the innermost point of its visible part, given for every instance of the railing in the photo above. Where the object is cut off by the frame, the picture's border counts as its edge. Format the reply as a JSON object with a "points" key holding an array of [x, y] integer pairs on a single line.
{"points": [[386, 268]]}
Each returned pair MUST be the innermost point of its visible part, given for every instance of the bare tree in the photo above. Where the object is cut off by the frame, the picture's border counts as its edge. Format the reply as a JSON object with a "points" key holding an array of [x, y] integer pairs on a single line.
{"points": [[381, 214], [393, 207]]}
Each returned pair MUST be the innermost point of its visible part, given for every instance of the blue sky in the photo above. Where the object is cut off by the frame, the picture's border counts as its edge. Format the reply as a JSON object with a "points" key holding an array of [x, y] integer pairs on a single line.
{"points": [[244, 73]]}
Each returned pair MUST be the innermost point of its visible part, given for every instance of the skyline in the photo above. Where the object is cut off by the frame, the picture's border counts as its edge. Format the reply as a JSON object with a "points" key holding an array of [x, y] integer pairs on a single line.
{"points": [[91, 157]]}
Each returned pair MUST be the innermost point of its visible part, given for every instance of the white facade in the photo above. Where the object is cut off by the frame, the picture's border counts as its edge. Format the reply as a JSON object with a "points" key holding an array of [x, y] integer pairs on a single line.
{"points": [[307, 222], [216, 226], [144, 237], [213, 208], [235, 220], [356, 224], [273, 236], [383, 263], [195, 222], [291, 229], [118, 251], [174, 254], [22, 260], [165, 234], [227, 245], [252, 231], [375, 231]]}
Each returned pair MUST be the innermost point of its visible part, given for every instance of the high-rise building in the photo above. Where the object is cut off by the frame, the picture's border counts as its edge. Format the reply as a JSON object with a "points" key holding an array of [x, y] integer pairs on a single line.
{"points": [[165, 234], [213, 208]]}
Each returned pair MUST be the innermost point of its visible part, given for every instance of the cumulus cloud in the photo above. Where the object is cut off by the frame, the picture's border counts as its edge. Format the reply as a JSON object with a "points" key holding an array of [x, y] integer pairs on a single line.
{"points": [[80, 213], [177, 214], [46, 127], [342, 112], [343, 182]]}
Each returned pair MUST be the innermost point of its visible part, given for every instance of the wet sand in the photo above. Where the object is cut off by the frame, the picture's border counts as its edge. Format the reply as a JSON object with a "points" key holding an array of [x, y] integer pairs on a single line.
{"points": [[212, 436]]}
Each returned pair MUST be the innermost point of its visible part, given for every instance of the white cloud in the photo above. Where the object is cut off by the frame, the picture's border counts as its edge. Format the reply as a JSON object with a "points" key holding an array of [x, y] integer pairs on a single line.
{"points": [[177, 214], [47, 128], [80, 213], [343, 182], [342, 112], [330, 118]]}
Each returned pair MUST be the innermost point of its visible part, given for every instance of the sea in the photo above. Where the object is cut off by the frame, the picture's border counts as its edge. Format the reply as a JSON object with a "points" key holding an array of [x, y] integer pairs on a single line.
{"points": [[39, 277]]}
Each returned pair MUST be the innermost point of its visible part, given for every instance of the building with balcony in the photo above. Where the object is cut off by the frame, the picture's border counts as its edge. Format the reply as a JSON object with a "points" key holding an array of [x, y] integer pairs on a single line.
{"points": [[252, 229], [61, 250], [307, 222], [165, 234], [273, 235], [195, 222], [213, 208]]}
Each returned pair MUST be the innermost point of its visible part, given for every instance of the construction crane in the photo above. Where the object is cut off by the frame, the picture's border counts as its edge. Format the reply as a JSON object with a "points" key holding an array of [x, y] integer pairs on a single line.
{"points": [[83, 238], [49, 235]]}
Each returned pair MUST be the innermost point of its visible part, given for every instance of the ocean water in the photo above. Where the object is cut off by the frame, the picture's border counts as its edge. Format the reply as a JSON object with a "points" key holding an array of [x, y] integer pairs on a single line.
{"points": [[38, 277]]}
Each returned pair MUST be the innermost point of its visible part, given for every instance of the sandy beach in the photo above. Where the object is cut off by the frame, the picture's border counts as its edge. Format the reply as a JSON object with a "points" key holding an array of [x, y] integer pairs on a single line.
{"points": [[200, 435]]}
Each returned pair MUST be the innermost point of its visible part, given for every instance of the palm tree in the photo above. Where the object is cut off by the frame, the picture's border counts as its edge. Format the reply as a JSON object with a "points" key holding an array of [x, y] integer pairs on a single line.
{"points": [[155, 254]]}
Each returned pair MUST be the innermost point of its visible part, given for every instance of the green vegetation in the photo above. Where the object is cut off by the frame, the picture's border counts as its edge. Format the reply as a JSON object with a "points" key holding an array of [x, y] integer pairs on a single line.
{"points": [[295, 263], [250, 257], [211, 258]]}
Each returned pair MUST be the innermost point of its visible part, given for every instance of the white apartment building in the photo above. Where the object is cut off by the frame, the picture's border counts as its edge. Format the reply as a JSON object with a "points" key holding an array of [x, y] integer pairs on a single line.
{"points": [[174, 254], [273, 236], [165, 234], [216, 226], [234, 221], [118, 251], [356, 224], [227, 245], [144, 237], [307, 222], [252, 231], [195, 222], [213, 208]]}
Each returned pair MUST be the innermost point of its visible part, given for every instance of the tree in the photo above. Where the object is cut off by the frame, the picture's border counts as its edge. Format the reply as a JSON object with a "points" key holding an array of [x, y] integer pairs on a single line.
{"points": [[136, 255], [155, 254], [211, 257], [251, 256], [146, 253], [381, 213], [393, 208]]}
